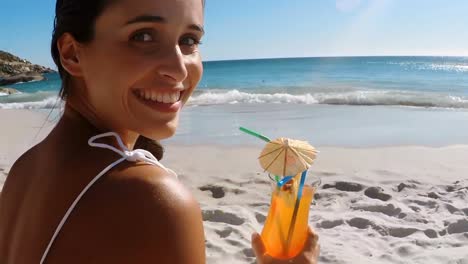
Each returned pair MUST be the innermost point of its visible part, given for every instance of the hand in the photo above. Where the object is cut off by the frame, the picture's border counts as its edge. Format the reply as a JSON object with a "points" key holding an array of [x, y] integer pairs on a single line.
{"points": [[308, 255]]}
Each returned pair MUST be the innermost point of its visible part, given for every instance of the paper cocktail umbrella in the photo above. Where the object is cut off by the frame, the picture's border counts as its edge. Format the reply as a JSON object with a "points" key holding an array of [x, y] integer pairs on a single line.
{"points": [[287, 157]]}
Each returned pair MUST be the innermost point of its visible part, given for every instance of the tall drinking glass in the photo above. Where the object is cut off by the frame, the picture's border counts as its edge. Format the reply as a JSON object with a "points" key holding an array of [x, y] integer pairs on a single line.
{"points": [[285, 229]]}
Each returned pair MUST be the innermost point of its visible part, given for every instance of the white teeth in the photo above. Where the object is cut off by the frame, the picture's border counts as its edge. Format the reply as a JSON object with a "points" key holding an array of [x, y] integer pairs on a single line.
{"points": [[167, 98], [159, 97], [174, 97]]}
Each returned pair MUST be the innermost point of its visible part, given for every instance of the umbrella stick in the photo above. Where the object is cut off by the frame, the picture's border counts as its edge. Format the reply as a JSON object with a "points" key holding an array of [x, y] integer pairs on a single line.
{"points": [[296, 209]]}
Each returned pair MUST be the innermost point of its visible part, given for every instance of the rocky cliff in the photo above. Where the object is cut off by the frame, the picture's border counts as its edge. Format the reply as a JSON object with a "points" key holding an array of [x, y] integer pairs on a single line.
{"points": [[14, 70]]}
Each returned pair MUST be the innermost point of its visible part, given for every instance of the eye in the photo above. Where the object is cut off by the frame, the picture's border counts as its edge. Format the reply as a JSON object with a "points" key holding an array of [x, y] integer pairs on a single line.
{"points": [[190, 41], [143, 36]]}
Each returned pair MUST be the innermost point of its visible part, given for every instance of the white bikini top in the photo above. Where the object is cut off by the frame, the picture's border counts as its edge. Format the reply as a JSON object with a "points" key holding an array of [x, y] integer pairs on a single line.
{"points": [[128, 155]]}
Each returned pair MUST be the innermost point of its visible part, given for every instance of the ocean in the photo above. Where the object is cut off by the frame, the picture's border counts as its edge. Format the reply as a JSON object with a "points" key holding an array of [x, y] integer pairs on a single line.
{"points": [[337, 101]]}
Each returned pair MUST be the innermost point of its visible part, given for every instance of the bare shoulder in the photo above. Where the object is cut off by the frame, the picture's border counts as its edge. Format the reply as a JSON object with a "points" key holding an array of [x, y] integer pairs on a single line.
{"points": [[137, 214], [23, 166]]}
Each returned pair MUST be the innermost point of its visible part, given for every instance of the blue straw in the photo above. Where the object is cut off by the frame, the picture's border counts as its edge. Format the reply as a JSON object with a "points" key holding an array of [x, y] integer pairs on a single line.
{"points": [[284, 181], [301, 186]]}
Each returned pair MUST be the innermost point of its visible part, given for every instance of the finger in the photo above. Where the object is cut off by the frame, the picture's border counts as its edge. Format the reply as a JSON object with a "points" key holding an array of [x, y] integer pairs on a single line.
{"points": [[257, 245], [317, 251], [311, 241]]}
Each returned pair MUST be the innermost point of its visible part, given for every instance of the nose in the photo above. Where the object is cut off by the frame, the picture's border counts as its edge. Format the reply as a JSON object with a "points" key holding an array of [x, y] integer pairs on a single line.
{"points": [[172, 66]]}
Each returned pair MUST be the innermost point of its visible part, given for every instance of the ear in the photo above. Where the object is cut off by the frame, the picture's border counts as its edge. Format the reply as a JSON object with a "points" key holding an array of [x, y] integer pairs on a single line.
{"points": [[69, 54]]}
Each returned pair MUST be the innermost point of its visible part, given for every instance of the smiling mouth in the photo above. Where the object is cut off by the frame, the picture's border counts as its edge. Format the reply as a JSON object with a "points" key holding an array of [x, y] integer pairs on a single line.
{"points": [[159, 97]]}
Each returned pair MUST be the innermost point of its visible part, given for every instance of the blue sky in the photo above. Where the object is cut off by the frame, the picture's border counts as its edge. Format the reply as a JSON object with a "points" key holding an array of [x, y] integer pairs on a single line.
{"points": [[240, 29]]}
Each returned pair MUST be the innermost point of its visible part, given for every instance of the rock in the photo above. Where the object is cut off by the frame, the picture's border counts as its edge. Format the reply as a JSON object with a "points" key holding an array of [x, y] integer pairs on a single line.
{"points": [[21, 78], [14, 70], [6, 90], [5, 56], [377, 193]]}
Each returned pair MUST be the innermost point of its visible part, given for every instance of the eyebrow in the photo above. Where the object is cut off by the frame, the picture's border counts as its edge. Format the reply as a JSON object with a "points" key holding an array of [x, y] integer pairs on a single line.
{"points": [[147, 18], [197, 28], [160, 19]]}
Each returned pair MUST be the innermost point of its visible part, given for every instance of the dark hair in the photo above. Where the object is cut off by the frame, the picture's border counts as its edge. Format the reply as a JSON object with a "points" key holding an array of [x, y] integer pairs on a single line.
{"points": [[150, 145], [78, 18]]}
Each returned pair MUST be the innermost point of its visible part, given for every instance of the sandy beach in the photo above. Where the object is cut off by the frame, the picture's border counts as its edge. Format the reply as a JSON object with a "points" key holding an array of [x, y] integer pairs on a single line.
{"points": [[392, 204]]}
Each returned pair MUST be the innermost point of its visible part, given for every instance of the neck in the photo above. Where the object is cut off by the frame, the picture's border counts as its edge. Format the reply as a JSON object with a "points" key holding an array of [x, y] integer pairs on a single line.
{"points": [[76, 123]]}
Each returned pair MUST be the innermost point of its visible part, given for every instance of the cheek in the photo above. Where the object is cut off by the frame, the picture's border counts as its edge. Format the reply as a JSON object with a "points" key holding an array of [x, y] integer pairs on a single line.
{"points": [[195, 69], [111, 69]]}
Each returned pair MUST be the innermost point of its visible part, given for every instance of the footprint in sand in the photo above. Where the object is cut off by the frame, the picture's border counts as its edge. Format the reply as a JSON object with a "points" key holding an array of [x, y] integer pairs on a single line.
{"points": [[248, 252], [424, 203], [360, 223], [387, 173], [454, 210], [431, 233], [406, 251], [219, 192], [326, 174], [403, 186], [233, 242], [457, 186], [259, 204], [225, 232], [326, 224], [219, 216], [461, 226], [465, 211], [389, 209], [377, 193], [399, 232], [260, 218], [345, 186]]}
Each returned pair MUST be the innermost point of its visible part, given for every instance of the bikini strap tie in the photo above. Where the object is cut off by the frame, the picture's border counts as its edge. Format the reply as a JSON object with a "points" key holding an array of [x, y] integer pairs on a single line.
{"points": [[130, 155]]}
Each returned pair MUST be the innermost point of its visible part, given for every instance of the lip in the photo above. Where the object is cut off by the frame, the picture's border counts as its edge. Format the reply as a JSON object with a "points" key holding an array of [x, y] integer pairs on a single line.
{"points": [[161, 107]]}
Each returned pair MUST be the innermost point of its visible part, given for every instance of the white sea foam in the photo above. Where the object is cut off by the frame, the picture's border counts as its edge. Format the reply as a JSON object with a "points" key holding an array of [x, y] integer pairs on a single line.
{"points": [[48, 103], [235, 96], [392, 98], [447, 67], [3, 94], [219, 97]]}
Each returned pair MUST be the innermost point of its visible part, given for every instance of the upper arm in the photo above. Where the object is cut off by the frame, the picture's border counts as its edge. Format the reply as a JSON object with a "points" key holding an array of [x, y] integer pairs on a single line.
{"points": [[136, 219]]}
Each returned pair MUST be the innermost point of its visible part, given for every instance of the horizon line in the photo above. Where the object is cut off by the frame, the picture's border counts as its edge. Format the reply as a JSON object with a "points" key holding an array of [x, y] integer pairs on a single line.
{"points": [[334, 56]]}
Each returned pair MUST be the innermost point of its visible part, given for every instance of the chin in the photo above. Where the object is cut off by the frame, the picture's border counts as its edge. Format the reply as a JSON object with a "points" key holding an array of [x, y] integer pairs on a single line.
{"points": [[160, 132]]}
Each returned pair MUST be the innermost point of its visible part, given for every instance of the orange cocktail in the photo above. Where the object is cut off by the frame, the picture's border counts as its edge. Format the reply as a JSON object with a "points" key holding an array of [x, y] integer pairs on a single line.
{"points": [[282, 240]]}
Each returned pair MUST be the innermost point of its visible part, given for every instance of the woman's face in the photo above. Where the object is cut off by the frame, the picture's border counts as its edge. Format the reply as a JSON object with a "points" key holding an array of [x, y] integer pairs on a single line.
{"points": [[143, 64]]}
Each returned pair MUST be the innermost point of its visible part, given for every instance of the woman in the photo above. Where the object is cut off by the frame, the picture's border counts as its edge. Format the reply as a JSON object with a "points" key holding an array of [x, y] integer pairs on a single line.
{"points": [[127, 66]]}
